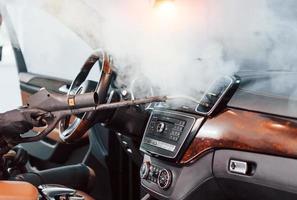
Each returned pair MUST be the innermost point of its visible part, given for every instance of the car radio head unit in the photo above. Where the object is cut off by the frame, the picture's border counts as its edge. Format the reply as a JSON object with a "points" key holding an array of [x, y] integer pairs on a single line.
{"points": [[166, 132]]}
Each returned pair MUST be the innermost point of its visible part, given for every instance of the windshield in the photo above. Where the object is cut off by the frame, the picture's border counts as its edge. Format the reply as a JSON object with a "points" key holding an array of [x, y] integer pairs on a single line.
{"points": [[277, 84], [183, 45]]}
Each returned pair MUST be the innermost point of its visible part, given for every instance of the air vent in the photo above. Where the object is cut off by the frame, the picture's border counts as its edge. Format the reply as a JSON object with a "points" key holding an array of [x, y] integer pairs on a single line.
{"points": [[217, 95]]}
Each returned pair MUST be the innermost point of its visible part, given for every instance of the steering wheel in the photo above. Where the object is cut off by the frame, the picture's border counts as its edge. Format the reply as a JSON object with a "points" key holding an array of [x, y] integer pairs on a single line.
{"points": [[72, 131]]}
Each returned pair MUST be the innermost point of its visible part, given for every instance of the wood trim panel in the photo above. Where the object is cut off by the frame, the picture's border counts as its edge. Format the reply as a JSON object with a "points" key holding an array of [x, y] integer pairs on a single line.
{"points": [[248, 131]]}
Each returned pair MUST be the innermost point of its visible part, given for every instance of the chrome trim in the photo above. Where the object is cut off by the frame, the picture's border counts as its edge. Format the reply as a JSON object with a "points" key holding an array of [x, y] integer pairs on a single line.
{"points": [[110, 96], [159, 144], [238, 167]]}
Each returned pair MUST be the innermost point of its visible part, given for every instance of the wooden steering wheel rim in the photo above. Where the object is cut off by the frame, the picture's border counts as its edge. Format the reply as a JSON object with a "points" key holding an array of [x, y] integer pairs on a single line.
{"points": [[72, 131]]}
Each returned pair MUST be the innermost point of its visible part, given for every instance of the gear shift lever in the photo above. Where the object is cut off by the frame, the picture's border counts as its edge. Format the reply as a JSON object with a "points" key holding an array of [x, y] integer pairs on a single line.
{"points": [[21, 157], [58, 192], [13, 162]]}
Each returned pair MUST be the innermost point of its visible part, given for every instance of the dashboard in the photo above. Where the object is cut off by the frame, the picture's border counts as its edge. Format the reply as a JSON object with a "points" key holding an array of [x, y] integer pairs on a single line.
{"points": [[228, 144], [218, 152], [232, 152], [229, 153]]}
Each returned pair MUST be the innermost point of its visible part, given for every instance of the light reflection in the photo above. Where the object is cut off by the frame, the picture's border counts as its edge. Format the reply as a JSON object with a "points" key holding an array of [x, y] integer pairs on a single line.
{"points": [[278, 126], [165, 8]]}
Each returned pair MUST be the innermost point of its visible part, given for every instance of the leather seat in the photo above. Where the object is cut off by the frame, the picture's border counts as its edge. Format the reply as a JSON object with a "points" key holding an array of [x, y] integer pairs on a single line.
{"points": [[77, 176], [19, 190], [74, 176], [15, 190]]}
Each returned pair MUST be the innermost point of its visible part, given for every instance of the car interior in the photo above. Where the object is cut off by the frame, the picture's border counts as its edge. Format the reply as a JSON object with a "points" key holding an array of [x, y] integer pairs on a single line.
{"points": [[237, 142]]}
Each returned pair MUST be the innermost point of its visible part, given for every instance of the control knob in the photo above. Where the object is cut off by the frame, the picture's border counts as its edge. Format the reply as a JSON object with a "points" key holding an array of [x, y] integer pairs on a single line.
{"points": [[164, 179], [160, 127], [144, 170]]}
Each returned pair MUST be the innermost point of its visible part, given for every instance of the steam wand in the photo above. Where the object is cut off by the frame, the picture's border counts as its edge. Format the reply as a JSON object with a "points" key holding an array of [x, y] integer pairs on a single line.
{"points": [[109, 106], [52, 118], [120, 104]]}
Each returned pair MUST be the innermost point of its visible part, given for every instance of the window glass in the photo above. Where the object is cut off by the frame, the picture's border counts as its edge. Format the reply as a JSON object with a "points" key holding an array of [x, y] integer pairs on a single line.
{"points": [[49, 47], [9, 85]]}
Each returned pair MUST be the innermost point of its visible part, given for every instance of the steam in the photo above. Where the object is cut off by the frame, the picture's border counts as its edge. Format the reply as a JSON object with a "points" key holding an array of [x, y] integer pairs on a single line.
{"points": [[183, 51], [173, 51]]}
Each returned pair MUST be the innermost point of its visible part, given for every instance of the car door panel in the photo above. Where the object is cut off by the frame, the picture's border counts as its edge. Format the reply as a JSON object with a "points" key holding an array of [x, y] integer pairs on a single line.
{"points": [[39, 66], [50, 148]]}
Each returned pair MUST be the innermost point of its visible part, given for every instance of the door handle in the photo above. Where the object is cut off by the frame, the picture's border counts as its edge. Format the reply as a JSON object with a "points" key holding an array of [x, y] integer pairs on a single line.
{"points": [[64, 88]]}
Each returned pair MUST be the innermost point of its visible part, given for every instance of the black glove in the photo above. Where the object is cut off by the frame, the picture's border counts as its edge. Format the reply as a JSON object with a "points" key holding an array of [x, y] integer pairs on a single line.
{"points": [[18, 121]]}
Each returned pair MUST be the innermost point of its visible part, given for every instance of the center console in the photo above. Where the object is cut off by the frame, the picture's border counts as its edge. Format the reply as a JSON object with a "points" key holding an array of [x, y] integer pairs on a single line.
{"points": [[167, 136], [169, 132], [166, 132]]}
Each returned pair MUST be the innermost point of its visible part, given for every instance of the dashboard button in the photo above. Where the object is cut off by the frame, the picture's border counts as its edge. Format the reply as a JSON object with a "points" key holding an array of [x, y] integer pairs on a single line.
{"points": [[160, 127], [144, 170]]}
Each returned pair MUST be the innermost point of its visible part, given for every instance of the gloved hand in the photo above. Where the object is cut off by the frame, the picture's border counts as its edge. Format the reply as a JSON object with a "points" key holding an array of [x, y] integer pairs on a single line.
{"points": [[18, 121]]}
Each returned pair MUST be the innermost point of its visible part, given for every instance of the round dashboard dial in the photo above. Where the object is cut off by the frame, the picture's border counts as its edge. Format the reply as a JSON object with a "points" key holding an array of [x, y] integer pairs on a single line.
{"points": [[164, 179]]}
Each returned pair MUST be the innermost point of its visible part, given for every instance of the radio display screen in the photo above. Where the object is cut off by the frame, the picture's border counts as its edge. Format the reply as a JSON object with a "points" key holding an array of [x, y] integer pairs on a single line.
{"points": [[165, 133]]}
